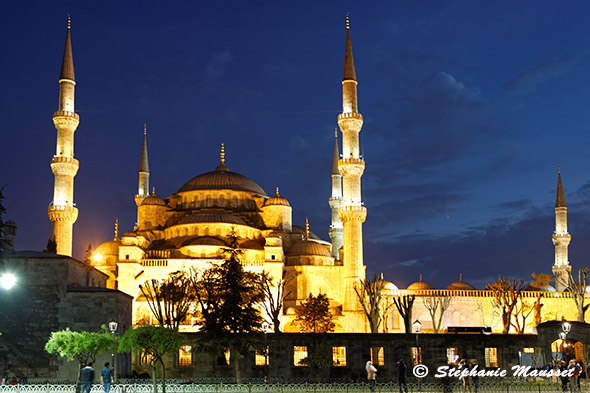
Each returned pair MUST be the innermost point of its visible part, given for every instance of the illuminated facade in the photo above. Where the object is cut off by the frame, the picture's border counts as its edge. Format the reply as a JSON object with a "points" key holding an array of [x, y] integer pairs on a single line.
{"points": [[190, 228]]}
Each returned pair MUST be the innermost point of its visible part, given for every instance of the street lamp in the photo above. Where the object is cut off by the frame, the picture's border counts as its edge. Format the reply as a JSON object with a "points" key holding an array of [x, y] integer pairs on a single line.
{"points": [[8, 280], [417, 325], [265, 327], [113, 329]]}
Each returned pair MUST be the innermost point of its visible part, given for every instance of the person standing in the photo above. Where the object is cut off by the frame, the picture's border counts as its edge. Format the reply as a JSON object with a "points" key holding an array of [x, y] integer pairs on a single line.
{"points": [[106, 376], [401, 376], [87, 377], [371, 375]]}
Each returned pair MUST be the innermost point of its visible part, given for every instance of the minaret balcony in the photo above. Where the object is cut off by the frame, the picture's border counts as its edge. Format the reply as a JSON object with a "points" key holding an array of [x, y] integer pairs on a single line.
{"points": [[351, 166], [62, 213], [66, 114], [352, 213], [350, 115], [61, 165]]}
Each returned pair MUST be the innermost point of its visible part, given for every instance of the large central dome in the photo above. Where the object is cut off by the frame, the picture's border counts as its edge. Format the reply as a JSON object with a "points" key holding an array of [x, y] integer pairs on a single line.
{"points": [[222, 179]]}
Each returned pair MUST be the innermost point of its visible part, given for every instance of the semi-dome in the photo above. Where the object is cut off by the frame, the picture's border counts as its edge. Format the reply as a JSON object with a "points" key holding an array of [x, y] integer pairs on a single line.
{"points": [[153, 200], [252, 245], [276, 200], [213, 216], [547, 288], [204, 241], [460, 285], [222, 179], [110, 248], [308, 247], [420, 285]]}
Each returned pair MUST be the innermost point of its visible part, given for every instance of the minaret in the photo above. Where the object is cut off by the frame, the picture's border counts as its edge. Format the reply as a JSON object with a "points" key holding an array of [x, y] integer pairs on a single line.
{"points": [[143, 189], [351, 166], [561, 239], [64, 166], [335, 202]]}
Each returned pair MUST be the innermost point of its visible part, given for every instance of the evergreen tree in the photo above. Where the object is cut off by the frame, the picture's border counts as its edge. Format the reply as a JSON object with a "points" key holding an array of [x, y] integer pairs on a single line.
{"points": [[314, 316], [228, 296]]}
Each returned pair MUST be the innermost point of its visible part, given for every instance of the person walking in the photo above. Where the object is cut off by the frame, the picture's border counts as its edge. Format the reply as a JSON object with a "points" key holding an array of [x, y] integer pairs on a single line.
{"points": [[106, 376], [371, 375], [401, 376], [466, 379], [87, 377]]}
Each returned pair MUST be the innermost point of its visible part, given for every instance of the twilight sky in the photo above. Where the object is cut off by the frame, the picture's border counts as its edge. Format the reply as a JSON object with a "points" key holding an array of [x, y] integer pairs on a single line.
{"points": [[469, 106]]}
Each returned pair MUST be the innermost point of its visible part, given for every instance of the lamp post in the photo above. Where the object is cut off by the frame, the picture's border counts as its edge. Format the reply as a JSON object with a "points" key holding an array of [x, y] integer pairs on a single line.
{"points": [[113, 329], [8, 280], [265, 327], [562, 336], [417, 325]]}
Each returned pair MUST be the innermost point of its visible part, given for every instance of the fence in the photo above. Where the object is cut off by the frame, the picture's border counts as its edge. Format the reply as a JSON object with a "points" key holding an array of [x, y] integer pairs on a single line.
{"points": [[390, 387]]}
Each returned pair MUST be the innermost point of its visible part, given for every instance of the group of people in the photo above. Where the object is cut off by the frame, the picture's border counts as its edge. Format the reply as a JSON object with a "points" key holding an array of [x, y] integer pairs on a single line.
{"points": [[87, 377], [568, 383], [401, 376], [8, 381], [469, 381]]}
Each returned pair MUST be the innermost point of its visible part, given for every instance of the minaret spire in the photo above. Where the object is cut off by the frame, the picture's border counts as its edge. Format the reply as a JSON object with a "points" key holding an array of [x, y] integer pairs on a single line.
{"points": [[335, 202], [116, 229], [352, 213], [143, 187], [561, 239], [62, 211]]}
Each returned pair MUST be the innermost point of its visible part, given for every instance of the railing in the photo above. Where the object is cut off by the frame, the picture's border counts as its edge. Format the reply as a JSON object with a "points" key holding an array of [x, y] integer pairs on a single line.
{"points": [[190, 387]]}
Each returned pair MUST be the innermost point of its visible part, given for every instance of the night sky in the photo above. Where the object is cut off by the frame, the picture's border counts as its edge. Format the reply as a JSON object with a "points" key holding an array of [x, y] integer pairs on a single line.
{"points": [[469, 106]]}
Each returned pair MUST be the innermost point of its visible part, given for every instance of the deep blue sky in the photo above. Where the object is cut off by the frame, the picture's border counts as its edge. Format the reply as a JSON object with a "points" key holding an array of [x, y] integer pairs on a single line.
{"points": [[469, 106]]}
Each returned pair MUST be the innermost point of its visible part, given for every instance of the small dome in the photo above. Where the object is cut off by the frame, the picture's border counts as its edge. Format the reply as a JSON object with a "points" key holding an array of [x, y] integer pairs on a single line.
{"points": [[129, 234], [390, 286], [308, 247], [252, 245], [547, 288], [204, 241], [110, 248], [214, 216], [153, 200], [276, 200], [460, 285], [420, 285]]}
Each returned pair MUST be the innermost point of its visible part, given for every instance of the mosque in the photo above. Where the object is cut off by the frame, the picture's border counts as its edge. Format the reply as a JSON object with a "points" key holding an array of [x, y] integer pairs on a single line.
{"points": [[190, 228]]}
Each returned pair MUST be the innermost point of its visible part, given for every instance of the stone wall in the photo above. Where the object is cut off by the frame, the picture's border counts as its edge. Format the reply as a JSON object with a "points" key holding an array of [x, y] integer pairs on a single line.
{"points": [[53, 292], [357, 349]]}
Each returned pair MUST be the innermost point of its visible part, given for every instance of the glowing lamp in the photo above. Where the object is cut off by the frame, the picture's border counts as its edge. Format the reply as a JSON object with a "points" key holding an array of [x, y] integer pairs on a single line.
{"points": [[7, 280], [417, 325], [113, 326], [562, 335], [566, 327], [97, 257]]}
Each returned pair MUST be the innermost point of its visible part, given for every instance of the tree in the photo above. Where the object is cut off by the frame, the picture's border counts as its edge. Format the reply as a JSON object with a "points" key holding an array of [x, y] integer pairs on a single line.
{"points": [[522, 311], [170, 299], [369, 295], [80, 346], [506, 292], [273, 300], [228, 298], [153, 342], [320, 359], [3, 242], [404, 306], [578, 291], [434, 304], [88, 254], [314, 316], [51, 247]]}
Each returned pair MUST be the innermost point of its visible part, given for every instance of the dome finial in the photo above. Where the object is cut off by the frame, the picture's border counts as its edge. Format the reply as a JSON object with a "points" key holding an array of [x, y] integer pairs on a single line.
{"points": [[306, 229], [69, 21], [420, 277], [221, 166], [460, 277], [116, 228], [278, 191], [154, 190], [347, 22], [222, 153]]}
